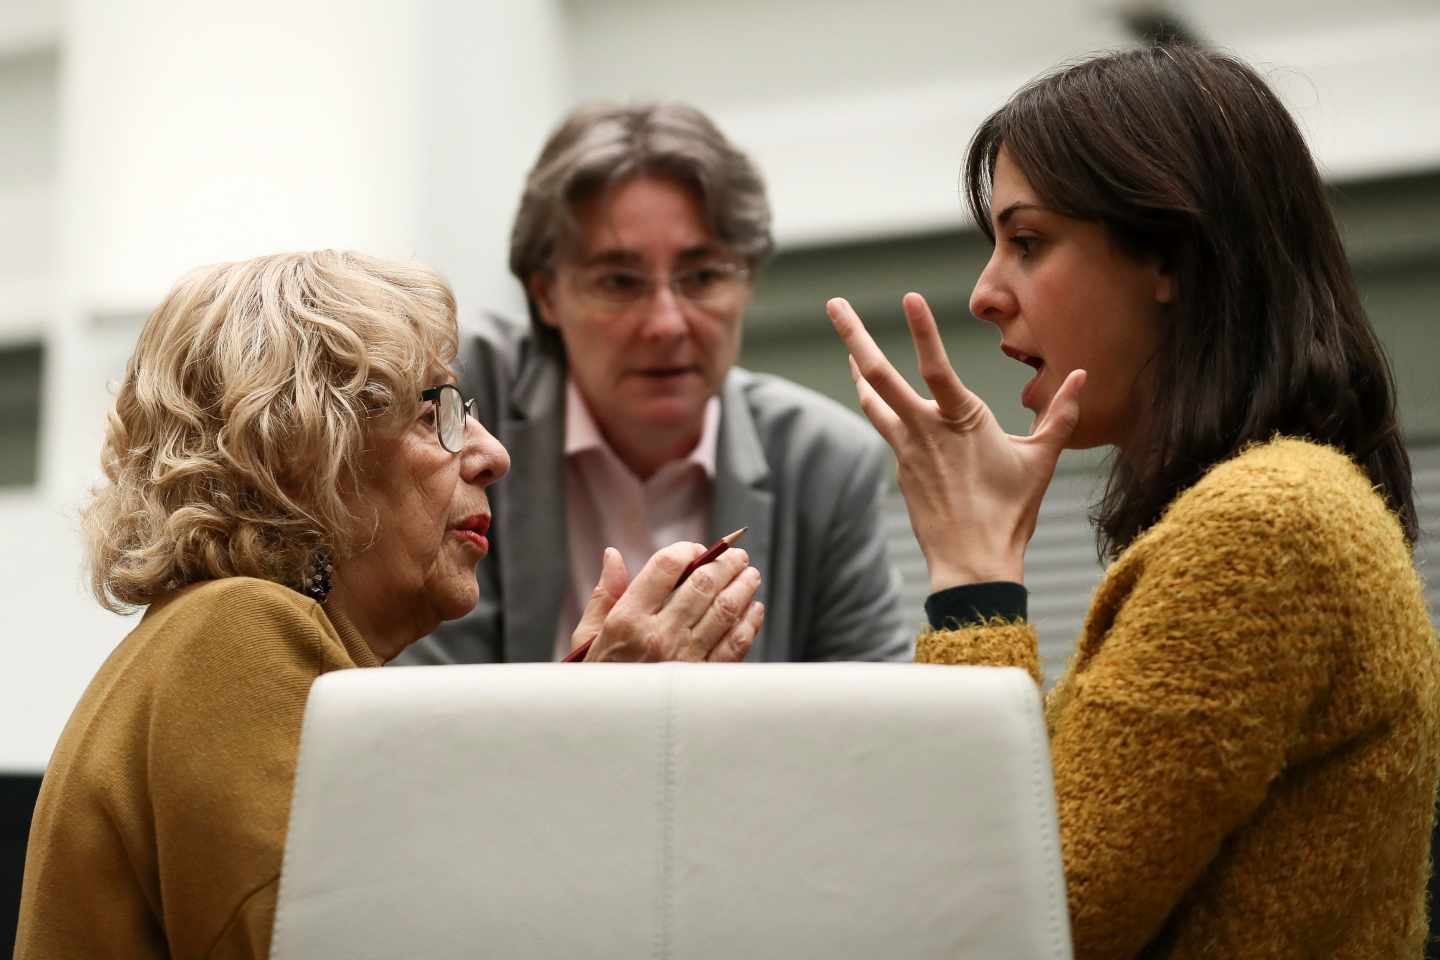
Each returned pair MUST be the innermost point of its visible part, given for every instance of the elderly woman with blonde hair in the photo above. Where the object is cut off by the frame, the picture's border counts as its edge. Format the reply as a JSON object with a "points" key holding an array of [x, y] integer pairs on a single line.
{"points": [[295, 486]]}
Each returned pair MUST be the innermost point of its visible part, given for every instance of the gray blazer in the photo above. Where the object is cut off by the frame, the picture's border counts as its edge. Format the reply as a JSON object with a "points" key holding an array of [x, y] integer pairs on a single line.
{"points": [[802, 472]]}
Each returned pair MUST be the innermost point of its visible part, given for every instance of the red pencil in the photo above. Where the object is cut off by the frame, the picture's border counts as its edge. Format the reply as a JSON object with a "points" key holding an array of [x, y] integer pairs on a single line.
{"points": [[711, 552]]}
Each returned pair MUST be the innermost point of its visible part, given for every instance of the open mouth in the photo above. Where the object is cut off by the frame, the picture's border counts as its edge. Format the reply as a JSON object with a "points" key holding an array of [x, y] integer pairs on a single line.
{"points": [[1028, 396], [1028, 359]]}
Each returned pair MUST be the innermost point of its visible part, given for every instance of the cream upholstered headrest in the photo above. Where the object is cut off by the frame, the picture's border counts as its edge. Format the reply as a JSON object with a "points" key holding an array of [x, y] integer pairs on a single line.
{"points": [[673, 811]]}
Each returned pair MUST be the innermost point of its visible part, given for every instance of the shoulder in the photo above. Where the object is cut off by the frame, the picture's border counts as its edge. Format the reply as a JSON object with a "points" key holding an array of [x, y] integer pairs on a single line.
{"points": [[786, 413], [240, 622], [489, 341], [502, 364], [1286, 477], [1288, 491], [230, 597], [494, 347], [494, 331]]}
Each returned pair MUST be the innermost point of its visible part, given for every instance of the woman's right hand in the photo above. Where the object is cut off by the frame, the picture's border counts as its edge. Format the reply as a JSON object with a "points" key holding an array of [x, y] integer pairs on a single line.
{"points": [[712, 616], [972, 490]]}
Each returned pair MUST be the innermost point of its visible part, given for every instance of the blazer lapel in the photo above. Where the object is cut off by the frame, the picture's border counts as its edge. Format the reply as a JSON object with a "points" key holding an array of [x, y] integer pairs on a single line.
{"points": [[742, 488], [531, 529]]}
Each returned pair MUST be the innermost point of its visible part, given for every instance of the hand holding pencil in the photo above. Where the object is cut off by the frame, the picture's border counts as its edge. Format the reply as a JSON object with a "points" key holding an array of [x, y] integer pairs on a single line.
{"points": [[668, 614]]}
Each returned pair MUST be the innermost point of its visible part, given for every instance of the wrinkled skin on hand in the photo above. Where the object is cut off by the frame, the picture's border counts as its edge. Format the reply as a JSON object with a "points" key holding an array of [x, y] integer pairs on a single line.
{"points": [[712, 616]]}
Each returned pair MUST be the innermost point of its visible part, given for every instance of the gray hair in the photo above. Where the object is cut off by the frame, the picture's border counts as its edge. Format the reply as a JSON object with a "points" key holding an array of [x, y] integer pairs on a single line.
{"points": [[602, 144]]}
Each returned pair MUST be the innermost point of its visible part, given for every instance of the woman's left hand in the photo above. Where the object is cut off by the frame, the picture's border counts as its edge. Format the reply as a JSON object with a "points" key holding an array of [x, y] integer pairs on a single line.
{"points": [[972, 490]]}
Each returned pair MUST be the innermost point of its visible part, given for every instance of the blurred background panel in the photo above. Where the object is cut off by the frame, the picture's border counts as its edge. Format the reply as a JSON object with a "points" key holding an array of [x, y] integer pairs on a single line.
{"points": [[139, 138]]}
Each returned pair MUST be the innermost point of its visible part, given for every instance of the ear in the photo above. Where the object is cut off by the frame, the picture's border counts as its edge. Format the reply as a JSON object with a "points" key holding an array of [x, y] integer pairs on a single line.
{"points": [[542, 290], [1164, 283]]}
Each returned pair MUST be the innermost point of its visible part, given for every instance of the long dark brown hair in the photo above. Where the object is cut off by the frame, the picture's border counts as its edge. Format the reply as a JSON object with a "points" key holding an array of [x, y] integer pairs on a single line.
{"points": [[1187, 155]]}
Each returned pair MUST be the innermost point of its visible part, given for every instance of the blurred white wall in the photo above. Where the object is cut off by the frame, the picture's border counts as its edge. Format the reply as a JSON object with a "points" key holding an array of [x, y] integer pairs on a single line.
{"points": [[143, 137], [187, 133], [494, 77]]}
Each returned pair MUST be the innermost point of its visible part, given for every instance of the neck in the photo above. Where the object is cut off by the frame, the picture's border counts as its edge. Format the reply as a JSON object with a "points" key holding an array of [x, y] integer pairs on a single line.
{"points": [[383, 625], [645, 452]]}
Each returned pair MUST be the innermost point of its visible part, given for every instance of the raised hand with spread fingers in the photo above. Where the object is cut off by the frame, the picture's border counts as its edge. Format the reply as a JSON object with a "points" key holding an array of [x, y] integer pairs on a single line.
{"points": [[973, 491]]}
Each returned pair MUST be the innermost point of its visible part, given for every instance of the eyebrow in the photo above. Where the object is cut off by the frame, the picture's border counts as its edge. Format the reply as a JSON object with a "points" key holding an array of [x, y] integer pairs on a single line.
{"points": [[1004, 215], [620, 257]]}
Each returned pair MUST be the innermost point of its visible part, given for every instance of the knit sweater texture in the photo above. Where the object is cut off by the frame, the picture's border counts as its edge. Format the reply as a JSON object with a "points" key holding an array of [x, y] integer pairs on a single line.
{"points": [[161, 820], [1246, 743]]}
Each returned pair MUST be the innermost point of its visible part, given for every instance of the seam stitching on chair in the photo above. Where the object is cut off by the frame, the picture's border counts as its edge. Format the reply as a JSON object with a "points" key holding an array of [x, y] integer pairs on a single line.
{"points": [[663, 934], [1050, 843]]}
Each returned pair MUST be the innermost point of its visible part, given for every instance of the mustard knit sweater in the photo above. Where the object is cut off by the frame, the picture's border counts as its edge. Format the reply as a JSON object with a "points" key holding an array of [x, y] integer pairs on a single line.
{"points": [[1246, 743], [161, 819]]}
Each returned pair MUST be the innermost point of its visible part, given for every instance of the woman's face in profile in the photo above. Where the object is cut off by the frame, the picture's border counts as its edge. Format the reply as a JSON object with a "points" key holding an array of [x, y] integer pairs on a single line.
{"points": [[1066, 297], [432, 515]]}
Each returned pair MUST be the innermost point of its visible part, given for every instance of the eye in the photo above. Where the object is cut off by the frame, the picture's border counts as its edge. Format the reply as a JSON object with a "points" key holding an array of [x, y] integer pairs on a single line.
{"points": [[701, 278], [619, 281], [1025, 244], [427, 415]]}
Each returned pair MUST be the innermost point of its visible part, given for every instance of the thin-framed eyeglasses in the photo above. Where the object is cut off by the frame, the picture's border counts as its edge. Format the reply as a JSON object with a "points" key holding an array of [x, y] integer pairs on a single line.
{"points": [[451, 409], [712, 285]]}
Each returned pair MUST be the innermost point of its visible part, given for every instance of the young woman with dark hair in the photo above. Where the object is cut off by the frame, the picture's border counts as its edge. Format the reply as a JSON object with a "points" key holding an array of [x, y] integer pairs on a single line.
{"points": [[1246, 744], [1233, 207]]}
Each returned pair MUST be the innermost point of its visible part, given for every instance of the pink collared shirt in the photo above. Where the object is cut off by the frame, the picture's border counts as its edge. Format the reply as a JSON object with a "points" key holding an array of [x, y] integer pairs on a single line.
{"points": [[609, 506]]}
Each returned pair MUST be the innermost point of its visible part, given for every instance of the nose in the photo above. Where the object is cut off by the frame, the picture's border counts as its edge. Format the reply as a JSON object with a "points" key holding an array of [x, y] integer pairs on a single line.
{"points": [[992, 299], [484, 459], [664, 313]]}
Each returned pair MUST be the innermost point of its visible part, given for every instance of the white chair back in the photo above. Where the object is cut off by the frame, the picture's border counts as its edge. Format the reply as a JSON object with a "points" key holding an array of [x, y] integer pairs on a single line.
{"points": [[679, 811]]}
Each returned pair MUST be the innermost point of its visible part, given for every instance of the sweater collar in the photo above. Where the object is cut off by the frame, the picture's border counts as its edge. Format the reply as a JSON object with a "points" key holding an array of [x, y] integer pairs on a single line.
{"points": [[360, 653]]}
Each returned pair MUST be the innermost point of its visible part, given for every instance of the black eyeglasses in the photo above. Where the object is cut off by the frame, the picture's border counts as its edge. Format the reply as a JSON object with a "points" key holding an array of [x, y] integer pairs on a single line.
{"points": [[451, 409]]}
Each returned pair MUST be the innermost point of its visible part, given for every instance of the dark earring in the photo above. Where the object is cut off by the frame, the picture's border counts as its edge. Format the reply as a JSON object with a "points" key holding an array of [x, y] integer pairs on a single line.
{"points": [[316, 584]]}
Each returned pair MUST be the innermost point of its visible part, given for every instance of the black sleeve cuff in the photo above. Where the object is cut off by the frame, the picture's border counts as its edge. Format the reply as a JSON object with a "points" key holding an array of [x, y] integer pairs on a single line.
{"points": [[971, 604]]}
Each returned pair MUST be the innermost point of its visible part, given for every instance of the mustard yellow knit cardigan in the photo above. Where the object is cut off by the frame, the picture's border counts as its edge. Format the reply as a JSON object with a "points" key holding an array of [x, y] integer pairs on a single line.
{"points": [[161, 822], [1246, 743]]}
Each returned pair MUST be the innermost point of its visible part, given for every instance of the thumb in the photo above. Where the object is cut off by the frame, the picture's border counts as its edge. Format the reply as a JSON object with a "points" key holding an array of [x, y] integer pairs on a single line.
{"points": [[613, 576], [1063, 415], [608, 589]]}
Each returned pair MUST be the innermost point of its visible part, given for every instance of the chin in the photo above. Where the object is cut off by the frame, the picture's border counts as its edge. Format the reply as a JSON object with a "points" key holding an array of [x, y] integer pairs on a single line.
{"points": [[673, 412], [454, 603]]}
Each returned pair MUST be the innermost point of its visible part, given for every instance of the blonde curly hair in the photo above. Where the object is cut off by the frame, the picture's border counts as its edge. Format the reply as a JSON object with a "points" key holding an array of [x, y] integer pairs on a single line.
{"points": [[246, 412]]}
